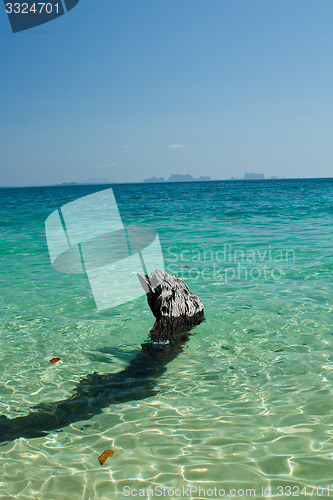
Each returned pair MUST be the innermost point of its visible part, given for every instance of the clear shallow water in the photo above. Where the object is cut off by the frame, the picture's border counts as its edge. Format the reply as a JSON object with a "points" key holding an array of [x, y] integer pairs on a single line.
{"points": [[247, 404]]}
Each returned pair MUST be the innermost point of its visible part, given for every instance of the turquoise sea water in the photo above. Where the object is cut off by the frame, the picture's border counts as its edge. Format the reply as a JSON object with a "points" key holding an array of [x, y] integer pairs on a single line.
{"points": [[247, 404]]}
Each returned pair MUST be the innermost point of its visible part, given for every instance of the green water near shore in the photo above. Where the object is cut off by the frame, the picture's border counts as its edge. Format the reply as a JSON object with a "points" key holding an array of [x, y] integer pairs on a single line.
{"points": [[247, 404]]}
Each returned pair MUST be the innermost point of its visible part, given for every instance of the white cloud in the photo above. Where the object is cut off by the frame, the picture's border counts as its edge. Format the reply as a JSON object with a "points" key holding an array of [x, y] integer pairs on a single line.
{"points": [[176, 146], [124, 147], [108, 165]]}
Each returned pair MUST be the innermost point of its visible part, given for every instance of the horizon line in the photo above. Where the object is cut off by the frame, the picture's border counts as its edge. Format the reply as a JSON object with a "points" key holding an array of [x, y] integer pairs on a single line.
{"points": [[75, 184]]}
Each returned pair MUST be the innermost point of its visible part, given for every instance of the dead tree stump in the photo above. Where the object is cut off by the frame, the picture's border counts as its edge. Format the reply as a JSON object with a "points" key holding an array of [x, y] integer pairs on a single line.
{"points": [[175, 308]]}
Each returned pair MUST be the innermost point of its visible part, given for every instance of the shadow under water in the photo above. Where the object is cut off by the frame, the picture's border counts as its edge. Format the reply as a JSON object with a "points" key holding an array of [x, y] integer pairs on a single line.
{"points": [[176, 310], [96, 392]]}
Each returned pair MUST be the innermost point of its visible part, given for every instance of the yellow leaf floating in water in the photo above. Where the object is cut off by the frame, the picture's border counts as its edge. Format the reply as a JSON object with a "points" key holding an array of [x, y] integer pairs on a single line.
{"points": [[105, 455], [54, 360]]}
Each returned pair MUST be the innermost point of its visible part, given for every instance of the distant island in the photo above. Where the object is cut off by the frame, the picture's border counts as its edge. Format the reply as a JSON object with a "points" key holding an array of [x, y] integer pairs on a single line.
{"points": [[253, 176], [178, 178], [155, 179], [87, 182]]}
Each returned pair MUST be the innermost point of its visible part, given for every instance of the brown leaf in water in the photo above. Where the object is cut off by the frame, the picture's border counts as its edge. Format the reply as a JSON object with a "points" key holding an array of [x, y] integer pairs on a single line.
{"points": [[185, 267], [105, 455], [54, 360]]}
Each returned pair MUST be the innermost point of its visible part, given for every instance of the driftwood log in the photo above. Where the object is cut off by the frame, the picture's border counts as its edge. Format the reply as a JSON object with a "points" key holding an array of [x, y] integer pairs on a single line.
{"points": [[176, 310]]}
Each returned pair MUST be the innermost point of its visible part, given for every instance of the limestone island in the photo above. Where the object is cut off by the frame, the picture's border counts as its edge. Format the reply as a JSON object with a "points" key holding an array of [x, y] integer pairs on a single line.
{"points": [[178, 178], [251, 175]]}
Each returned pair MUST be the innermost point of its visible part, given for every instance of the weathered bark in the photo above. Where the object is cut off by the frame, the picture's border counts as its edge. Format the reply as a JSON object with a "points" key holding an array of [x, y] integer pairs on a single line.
{"points": [[176, 310]]}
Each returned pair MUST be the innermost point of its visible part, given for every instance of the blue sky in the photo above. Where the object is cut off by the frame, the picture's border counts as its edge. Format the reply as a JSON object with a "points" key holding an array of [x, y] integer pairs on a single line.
{"points": [[105, 90]]}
